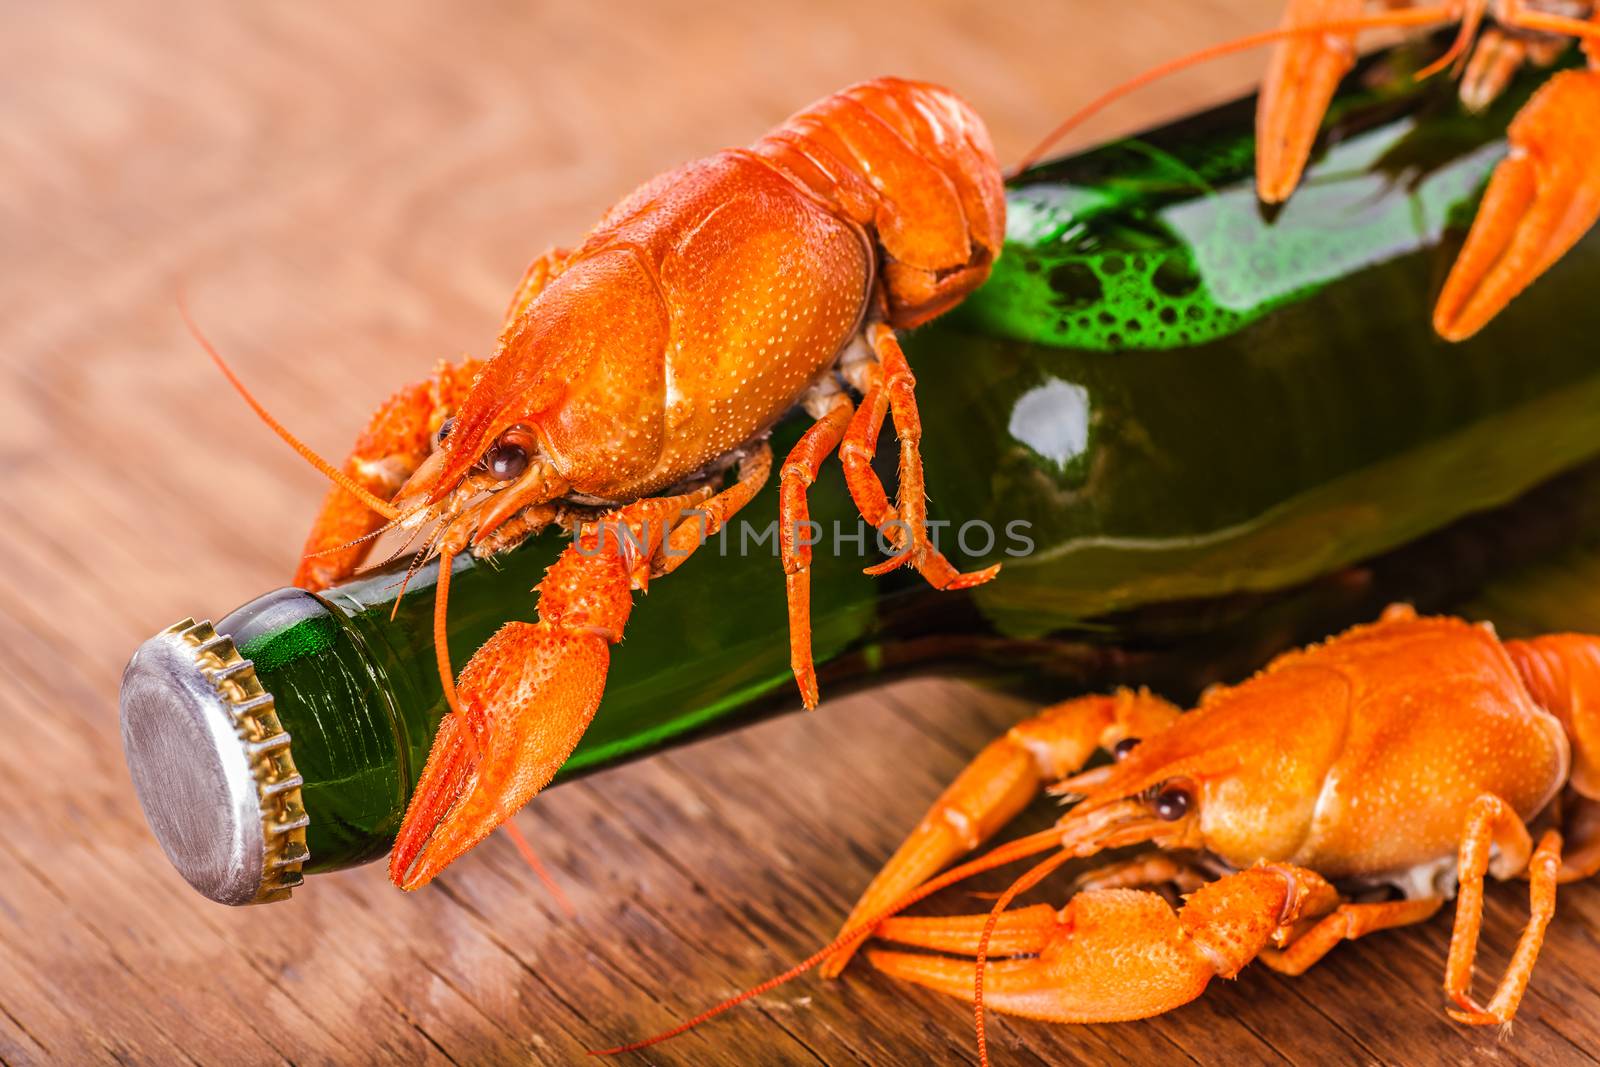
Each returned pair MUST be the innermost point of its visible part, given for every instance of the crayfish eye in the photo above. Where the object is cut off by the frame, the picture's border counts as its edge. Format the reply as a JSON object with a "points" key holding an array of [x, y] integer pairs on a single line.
{"points": [[443, 431], [506, 460], [1122, 748], [1173, 801]]}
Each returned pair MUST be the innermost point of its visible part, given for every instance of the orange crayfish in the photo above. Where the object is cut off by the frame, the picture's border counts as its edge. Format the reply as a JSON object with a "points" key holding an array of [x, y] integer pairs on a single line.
{"points": [[1346, 788], [1542, 197], [633, 374]]}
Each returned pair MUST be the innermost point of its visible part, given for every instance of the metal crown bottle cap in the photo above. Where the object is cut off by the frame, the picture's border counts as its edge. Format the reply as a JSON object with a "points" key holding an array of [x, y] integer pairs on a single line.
{"points": [[212, 767]]}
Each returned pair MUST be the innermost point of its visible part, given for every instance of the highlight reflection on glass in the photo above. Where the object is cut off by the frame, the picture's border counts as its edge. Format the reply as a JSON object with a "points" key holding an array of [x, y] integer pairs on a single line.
{"points": [[1053, 420]]}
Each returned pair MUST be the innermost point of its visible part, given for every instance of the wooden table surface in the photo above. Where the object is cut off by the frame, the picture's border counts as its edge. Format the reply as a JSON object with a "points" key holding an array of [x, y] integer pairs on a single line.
{"points": [[347, 193]]}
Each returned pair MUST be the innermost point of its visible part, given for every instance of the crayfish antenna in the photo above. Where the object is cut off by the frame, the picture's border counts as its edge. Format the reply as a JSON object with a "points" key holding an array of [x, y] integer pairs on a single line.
{"points": [[1471, 19], [531, 858], [1030, 878], [397, 521], [1399, 18], [354, 541], [333, 474], [848, 939], [441, 644], [421, 556]]}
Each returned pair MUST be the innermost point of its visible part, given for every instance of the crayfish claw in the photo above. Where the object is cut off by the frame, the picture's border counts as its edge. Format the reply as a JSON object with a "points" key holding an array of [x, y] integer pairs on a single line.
{"points": [[997, 785], [1018, 932], [1300, 82], [529, 694], [1112, 954], [1541, 199]]}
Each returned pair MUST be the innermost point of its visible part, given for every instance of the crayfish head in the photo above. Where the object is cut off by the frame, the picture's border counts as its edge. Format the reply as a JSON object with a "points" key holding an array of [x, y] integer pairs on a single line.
{"points": [[1155, 791], [474, 485], [1166, 815], [1238, 777]]}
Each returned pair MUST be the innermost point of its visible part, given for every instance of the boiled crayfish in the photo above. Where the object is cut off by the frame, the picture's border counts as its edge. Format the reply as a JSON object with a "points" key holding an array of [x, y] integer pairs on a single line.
{"points": [[1542, 197], [633, 374], [1347, 788]]}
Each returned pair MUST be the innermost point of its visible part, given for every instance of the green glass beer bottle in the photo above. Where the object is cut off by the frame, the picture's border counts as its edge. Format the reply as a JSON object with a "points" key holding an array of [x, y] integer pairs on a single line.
{"points": [[1170, 414]]}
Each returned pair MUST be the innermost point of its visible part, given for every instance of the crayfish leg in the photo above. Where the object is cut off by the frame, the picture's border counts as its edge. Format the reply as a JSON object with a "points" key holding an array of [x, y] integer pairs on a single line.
{"points": [[1002, 780], [1580, 830], [889, 384], [799, 472], [1346, 923], [531, 691], [1495, 61], [1139, 872], [1492, 822], [700, 524]]}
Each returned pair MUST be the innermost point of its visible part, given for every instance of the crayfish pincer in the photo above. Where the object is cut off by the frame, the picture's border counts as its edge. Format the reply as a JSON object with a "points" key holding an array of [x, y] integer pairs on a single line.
{"points": [[637, 371], [1346, 788], [1542, 198]]}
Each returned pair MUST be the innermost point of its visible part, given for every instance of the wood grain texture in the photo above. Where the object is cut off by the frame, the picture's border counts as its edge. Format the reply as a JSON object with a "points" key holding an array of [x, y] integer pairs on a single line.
{"points": [[346, 193]]}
